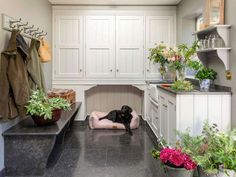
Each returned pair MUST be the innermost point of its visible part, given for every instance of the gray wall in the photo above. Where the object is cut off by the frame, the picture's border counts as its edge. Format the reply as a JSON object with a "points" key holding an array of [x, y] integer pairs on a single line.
{"points": [[188, 8], [37, 12]]}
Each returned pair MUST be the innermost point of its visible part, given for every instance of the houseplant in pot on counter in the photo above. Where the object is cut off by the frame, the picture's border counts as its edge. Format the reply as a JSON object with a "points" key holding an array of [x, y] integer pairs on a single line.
{"points": [[44, 110], [206, 77], [176, 163]]}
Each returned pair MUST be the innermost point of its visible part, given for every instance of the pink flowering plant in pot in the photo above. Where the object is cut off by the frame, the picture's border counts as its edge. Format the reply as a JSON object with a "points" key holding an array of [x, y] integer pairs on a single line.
{"points": [[176, 163]]}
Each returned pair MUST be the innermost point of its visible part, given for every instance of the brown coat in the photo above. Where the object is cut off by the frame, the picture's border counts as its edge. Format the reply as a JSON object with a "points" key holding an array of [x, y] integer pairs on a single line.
{"points": [[14, 85]]}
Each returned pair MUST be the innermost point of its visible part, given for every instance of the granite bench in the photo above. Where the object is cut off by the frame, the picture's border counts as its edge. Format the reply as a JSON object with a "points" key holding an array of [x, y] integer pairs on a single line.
{"points": [[29, 148]]}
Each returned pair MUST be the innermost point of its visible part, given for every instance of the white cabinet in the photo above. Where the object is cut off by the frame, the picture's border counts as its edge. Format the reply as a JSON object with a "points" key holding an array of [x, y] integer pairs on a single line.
{"points": [[100, 57], [108, 46], [68, 62], [129, 46], [158, 29], [167, 116], [189, 111], [154, 115]]}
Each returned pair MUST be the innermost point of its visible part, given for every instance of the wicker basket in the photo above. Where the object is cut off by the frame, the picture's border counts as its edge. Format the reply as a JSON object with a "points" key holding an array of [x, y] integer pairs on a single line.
{"points": [[67, 94]]}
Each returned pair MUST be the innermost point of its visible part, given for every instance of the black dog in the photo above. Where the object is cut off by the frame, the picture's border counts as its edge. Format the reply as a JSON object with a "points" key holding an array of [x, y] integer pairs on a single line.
{"points": [[121, 116]]}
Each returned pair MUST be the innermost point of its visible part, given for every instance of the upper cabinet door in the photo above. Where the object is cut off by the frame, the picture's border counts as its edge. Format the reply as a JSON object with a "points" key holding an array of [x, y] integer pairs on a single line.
{"points": [[68, 49], [129, 46], [158, 29], [100, 41]]}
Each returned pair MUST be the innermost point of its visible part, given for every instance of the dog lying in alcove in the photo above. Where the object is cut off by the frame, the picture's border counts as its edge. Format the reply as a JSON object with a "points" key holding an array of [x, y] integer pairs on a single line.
{"points": [[123, 116]]}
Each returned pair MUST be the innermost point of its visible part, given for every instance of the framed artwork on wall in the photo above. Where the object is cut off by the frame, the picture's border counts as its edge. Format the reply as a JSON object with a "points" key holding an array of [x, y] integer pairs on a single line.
{"points": [[214, 12]]}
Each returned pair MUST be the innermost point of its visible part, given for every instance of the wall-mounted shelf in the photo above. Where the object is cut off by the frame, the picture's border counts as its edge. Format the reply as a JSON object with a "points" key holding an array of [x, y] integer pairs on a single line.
{"points": [[222, 53], [221, 30]]}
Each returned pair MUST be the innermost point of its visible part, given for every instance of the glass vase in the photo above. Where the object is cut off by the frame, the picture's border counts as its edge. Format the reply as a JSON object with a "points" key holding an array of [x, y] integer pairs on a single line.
{"points": [[163, 71], [181, 74]]}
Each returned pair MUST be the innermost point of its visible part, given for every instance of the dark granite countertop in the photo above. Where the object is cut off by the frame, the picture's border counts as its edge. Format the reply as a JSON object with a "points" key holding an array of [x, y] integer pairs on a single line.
{"points": [[216, 90], [28, 127], [213, 91]]}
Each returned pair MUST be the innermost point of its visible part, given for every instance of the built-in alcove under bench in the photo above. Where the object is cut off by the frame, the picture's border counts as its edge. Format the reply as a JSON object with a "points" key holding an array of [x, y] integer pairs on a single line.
{"points": [[29, 148]]}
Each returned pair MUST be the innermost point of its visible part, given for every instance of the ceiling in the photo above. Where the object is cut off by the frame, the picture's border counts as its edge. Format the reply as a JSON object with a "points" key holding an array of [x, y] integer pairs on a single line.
{"points": [[115, 2]]}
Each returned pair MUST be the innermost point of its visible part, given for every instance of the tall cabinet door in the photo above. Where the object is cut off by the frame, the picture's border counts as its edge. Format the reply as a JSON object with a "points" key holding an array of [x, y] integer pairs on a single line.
{"points": [[100, 41], [129, 47], [68, 51], [158, 29]]}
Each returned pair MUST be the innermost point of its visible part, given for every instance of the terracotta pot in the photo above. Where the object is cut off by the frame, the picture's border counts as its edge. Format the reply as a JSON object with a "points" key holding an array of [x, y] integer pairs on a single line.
{"points": [[178, 172], [40, 121]]}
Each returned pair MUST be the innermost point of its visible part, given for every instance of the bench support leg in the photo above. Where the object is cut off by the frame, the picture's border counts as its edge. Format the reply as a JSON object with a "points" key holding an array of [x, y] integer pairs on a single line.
{"points": [[27, 155]]}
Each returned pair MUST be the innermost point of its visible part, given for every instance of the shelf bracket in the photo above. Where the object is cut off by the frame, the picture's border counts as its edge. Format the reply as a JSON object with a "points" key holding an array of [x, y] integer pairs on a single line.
{"points": [[224, 34]]}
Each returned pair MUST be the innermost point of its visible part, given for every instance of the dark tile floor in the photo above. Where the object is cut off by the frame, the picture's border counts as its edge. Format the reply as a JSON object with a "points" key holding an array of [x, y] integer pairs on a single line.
{"points": [[106, 153]]}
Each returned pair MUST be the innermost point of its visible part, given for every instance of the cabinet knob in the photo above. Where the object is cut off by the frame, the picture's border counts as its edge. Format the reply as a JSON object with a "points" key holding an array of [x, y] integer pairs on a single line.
{"points": [[164, 105], [117, 70], [148, 70], [80, 70], [111, 70]]}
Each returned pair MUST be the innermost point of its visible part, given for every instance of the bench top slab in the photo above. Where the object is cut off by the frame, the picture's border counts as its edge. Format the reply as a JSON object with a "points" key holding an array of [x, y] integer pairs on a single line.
{"points": [[27, 127]]}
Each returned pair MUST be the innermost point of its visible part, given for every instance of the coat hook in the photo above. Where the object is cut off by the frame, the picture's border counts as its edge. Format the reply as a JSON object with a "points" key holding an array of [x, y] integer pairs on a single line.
{"points": [[20, 25], [12, 22], [27, 28], [37, 34], [32, 31]]}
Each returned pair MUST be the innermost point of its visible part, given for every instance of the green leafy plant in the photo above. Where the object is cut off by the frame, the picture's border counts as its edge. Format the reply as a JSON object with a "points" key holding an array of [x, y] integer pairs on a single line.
{"points": [[180, 59], [213, 150], [182, 86], [39, 104], [206, 73]]}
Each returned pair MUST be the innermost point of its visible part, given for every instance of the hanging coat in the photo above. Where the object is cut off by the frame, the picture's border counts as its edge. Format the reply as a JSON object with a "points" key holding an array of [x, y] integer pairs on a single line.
{"points": [[14, 85], [36, 76]]}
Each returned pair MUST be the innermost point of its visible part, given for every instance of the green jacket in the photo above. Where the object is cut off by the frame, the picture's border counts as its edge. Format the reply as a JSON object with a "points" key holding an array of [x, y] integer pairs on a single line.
{"points": [[14, 85], [36, 76]]}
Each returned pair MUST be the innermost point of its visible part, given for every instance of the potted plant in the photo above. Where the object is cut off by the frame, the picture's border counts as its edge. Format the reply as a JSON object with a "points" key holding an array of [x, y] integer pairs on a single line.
{"points": [[44, 110], [206, 76], [176, 163], [214, 151]]}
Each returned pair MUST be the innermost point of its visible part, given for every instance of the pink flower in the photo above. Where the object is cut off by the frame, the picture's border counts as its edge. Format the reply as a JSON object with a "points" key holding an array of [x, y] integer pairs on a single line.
{"points": [[176, 158]]}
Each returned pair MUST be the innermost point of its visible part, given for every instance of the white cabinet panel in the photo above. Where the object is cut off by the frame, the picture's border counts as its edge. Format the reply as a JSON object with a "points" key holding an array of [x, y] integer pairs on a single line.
{"points": [[155, 120], [129, 46], [158, 29], [66, 57], [68, 50], [100, 36], [200, 112]]}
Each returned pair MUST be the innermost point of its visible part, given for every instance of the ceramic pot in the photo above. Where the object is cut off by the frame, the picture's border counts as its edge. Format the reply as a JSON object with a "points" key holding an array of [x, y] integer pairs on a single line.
{"points": [[205, 85], [181, 74], [228, 173], [178, 172], [40, 121]]}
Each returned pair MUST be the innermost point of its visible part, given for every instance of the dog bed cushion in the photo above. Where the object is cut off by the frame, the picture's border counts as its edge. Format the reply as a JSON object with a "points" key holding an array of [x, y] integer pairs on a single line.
{"points": [[95, 123]]}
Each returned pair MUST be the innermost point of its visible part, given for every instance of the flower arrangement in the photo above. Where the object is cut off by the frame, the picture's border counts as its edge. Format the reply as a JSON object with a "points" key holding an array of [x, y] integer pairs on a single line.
{"points": [[177, 58], [159, 55], [174, 158]]}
